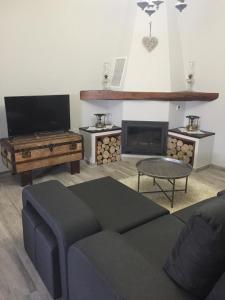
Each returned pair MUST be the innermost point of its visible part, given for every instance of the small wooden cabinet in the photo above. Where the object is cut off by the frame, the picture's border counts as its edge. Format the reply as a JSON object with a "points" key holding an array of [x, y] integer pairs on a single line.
{"points": [[22, 155]]}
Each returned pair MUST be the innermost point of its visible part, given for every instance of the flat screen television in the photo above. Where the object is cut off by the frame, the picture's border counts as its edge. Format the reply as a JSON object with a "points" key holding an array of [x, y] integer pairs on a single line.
{"points": [[33, 114]]}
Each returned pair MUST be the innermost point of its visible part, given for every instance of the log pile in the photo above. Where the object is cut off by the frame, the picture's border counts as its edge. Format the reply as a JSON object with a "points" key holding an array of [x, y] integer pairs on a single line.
{"points": [[180, 149], [108, 149]]}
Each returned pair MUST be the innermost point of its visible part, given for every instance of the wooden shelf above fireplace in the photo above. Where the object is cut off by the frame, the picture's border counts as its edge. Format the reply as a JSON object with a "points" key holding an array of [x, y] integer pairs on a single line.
{"points": [[148, 96]]}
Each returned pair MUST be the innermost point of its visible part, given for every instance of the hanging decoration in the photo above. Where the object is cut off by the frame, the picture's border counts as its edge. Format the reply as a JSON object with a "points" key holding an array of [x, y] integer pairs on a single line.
{"points": [[150, 42], [150, 7]]}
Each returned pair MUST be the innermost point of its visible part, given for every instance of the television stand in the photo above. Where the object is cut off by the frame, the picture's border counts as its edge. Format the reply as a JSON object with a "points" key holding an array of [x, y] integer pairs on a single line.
{"points": [[22, 155], [44, 133]]}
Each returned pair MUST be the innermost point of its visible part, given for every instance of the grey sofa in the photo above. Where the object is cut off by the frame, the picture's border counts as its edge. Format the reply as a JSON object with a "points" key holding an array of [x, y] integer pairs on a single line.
{"points": [[101, 240], [60, 216]]}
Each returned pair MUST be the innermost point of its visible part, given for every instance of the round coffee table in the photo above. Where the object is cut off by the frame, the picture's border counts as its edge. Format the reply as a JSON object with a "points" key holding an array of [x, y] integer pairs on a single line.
{"points": [[164, 168]]}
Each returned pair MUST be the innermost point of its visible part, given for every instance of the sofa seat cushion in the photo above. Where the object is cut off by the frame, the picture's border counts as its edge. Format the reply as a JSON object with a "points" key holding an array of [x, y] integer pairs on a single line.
{"points": [[110, 266], [185, 214], [117, 207], [154, 240], [198, 257]]}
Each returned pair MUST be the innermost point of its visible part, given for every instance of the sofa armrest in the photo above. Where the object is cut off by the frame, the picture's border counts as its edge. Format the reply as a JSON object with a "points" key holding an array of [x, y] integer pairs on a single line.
{"points": [[69, 218], [221, 193], [105, 267]]}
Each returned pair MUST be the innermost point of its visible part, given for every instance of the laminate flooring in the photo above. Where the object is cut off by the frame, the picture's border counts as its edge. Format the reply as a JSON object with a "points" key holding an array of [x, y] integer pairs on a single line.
{"points": [[18, 278]]}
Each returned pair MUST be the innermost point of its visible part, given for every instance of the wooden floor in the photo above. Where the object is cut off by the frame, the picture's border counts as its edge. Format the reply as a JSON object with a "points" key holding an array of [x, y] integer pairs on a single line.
{"points": [[18, 278]]}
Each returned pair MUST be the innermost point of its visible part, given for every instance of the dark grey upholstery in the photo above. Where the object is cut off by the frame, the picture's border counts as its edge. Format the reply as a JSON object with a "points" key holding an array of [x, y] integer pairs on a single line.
{"points": [[156, 238], [81, 210], [198, 257], [68, 217], [186, 213], [221, 193], [117, 207], [218, 292], [47, 260], [106, 266], [42, 248], [31, 220], [154, 241]]}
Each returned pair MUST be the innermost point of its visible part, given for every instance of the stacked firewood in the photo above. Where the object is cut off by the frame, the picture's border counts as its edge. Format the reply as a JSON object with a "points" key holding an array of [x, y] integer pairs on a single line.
{"points": [[179, 149], [108, 149]]}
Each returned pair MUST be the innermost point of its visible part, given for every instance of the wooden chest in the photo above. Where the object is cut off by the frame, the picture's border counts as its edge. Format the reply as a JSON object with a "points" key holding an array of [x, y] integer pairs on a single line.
{"points": [[22, 155]]}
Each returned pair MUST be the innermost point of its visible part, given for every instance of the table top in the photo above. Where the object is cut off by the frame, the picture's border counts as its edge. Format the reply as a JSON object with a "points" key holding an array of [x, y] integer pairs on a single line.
{"points": [[164, 168]]}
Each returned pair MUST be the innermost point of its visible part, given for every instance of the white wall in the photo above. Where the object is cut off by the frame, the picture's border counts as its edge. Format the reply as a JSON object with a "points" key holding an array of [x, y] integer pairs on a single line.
{"points": [[154, 71], [177, 76], [145, 72], [123, 18], [203, 41], [145, 110], [176, 114], [148, 71], [54, 46]]}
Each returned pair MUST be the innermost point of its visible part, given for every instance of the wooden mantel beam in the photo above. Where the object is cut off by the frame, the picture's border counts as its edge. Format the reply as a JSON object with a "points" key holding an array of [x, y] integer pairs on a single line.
{"points": [[148, 96]]}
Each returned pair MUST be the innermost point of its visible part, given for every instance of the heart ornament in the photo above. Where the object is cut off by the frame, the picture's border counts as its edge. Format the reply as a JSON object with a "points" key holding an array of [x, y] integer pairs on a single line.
{"points": [[150, 42]]}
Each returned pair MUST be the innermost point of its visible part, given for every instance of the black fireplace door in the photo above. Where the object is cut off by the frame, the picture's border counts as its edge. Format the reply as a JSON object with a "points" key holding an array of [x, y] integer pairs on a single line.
{"points": [[144, 137]]}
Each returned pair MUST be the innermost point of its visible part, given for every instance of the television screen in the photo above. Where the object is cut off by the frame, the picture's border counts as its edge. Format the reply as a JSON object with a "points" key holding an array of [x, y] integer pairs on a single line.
{"points": [[31, 114]]}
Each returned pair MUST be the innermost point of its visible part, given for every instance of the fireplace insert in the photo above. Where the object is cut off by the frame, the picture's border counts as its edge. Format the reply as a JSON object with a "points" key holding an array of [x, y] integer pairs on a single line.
{"points": [[144, 137]]}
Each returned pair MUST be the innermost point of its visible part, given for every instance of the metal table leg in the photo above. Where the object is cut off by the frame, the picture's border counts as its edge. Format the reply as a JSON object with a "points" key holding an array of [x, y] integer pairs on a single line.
{"points": [[139, 175], [170, 193], [186, 185], [153, 180], [173, 191]]}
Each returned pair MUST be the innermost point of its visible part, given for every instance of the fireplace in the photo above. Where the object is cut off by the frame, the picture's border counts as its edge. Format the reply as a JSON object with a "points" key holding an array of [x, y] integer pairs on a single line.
{"points": [[144, 137]]}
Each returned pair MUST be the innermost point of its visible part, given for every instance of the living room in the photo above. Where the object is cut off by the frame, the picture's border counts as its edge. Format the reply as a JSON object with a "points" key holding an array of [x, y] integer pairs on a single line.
{"points": [[64, 48]]}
